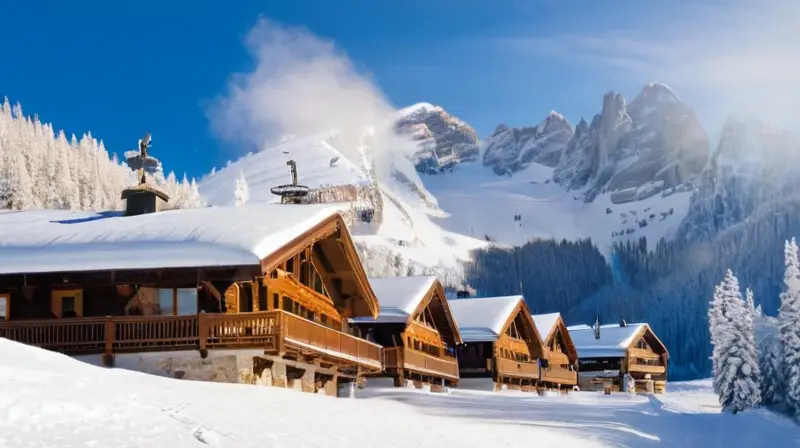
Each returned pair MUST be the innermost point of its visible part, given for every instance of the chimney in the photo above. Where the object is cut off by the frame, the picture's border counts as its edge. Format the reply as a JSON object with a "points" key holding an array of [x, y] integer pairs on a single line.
{"points": [[597, 327], [144, 198], [623, 324]]}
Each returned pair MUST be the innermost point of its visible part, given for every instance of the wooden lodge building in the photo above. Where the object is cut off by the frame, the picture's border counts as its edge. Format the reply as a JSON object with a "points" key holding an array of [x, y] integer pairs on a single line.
{"points": [[560, 370], [500, 341], [261, 294], [607, 352], [417, 330]]}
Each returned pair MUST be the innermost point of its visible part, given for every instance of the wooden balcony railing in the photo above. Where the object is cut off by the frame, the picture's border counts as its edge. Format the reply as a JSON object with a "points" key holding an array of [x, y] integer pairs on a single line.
{"points": [[559, 375], [510, 367], [271, 330], [641, 368], [419, 362]]}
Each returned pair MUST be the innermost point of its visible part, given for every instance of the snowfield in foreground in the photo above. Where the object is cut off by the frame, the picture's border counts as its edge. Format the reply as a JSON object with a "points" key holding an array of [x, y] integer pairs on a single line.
{"points": [[47, 399]]}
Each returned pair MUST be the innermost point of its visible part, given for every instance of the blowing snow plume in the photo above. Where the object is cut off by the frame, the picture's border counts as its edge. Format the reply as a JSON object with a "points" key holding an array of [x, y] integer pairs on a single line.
{"points": [[301, 85]]}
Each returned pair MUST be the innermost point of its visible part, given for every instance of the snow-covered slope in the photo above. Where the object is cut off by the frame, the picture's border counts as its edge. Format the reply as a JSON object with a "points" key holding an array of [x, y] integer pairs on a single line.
{"points": [[483, 205], [47, 399], [401, 239], [267, 168], [754, 164]]}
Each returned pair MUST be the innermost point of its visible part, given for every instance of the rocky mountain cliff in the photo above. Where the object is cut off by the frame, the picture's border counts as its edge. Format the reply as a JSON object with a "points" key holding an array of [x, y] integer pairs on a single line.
{"points": [[635, 150], [444, 140], [509, 150], [752, 166]]}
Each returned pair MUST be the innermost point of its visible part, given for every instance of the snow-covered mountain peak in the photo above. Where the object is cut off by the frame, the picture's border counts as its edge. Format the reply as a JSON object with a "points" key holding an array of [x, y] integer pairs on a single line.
{"points": [[444, 140], [419, 108], [635, 150], [510, 150]]}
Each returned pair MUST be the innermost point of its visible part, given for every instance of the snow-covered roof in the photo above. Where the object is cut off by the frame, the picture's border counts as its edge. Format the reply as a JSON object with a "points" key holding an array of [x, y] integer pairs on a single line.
{"points": [[482, 319], [64, 241], [398, 296], [544, 322], [613, 342]]}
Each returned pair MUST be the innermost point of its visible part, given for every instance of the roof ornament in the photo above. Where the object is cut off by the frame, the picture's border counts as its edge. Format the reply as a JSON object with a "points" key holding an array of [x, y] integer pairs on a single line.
{"points": [[140, 160], [597, 327], [291, 193]]}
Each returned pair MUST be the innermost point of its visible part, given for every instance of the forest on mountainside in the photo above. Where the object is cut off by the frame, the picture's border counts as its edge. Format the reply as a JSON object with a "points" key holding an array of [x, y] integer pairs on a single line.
{"points": [[42, 168], [669, 286]]}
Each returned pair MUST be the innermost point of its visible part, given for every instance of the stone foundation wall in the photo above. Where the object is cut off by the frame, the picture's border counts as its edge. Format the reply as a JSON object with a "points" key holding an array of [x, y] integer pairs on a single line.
{"points": [[240, 366]]}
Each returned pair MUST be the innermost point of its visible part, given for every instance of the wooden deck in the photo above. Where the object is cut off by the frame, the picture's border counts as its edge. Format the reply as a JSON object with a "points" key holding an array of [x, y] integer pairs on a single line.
{"points": [[560, 375], [397, 358], [276, 332], [516, 369]]}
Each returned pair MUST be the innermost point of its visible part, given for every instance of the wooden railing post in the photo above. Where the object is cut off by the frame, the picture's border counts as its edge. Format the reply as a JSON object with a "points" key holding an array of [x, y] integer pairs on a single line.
{"points": [[108, 337], [202, 334]]}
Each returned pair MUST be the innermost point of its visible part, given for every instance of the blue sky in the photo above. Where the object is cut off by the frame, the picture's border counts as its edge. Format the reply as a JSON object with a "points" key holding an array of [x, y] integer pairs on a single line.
{"points": [[118, 69]]}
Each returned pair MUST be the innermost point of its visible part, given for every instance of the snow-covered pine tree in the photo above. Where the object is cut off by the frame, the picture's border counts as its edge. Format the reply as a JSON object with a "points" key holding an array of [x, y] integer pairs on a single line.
{"points": [[789, 327], [718, 326], [770, 360], [241, 193], [41, 168], [737, 376], [750, 302]]}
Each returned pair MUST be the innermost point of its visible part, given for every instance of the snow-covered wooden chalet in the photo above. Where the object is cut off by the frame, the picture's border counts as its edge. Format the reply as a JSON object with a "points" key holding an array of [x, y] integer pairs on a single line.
{"points": [[256, 294], [560, 370], [417, 330], [500, 341], [607, 352]]}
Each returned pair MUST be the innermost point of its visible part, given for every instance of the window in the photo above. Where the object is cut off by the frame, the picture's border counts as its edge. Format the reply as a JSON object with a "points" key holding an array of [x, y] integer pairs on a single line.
{"points": [[187, 301], [290, 265], [288, 304], [165, 302], [66, 303], [263, 293], [68, 306], [323, 319], [4, 308], [276, 301]]}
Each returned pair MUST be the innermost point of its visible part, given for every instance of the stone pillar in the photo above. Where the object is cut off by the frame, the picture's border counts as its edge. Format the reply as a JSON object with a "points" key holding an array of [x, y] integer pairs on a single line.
{"points": [[278, 373], [330, 386], [307, 381]]}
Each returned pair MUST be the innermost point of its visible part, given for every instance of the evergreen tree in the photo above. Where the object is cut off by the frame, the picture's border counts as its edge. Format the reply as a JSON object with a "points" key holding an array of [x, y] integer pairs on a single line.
{"points": [[240, 193], [737, 377], [789, 327], [771, 364], [750, 301]]}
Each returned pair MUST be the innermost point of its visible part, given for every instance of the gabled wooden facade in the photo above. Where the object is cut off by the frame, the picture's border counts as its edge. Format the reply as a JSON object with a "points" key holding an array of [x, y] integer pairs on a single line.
{"points": [[417, 330], [560, 370], [500, 341], [286, 313], [608, 352]]}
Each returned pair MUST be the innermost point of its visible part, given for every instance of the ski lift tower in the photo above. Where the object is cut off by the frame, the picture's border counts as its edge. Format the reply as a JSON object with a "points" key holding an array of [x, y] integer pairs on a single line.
{"points": [[291, 193]]}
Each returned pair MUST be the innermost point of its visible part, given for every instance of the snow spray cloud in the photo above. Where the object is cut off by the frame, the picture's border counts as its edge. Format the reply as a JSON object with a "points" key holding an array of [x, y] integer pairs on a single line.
{"points": [[732, 57], [301, 85]]}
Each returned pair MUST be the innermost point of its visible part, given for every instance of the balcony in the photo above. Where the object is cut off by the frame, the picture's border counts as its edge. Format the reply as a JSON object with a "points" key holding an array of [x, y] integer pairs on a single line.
{"points": [[273, 331], [642, 368], [510, 367], [421, 363], [559, 375]]}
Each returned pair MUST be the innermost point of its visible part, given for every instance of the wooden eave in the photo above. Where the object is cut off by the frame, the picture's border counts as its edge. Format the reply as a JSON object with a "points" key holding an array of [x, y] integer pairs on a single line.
{"points": [[560, 327], [437, 287], [522, 307], [642, 331], [324, 229]]}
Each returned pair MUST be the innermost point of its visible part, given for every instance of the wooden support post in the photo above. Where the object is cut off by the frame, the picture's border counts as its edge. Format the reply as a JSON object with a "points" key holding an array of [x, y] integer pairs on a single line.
{"points": [[203, 334], [108, 336]]}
